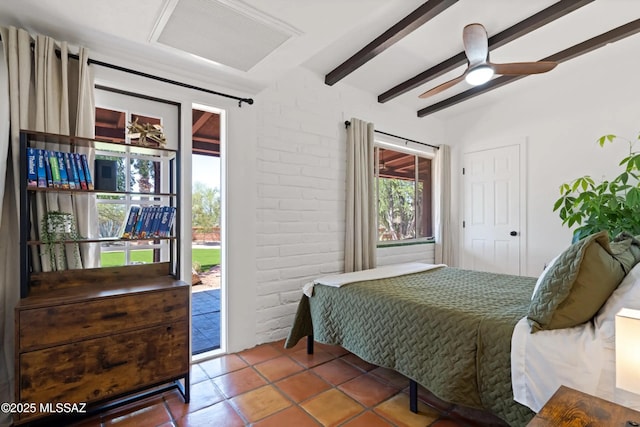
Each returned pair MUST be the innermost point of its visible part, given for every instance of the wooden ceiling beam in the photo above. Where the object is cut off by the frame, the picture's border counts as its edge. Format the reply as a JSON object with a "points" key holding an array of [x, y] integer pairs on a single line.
{"points": [[110, 133], [545, 16], [574, 51], [197, 125], [405, 26], [206, 148]]}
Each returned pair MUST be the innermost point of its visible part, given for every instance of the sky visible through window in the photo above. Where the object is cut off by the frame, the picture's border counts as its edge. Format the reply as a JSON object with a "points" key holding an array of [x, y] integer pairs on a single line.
{"points": [[206, 169]]}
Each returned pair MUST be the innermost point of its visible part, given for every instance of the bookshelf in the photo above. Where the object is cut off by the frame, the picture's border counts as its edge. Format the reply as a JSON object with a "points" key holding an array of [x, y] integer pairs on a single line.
{"points": [[102, 335]]}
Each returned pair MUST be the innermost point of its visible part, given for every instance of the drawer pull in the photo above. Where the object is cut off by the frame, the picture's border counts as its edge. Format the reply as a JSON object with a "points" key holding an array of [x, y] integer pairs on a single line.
{"points": [[115, 315]]}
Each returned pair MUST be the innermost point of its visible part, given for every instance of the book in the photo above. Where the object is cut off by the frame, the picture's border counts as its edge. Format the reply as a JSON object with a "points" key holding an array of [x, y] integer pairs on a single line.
{"points": [[87, 171], [42, 170], [47, 168], [80, 171], [164, 224], [55, 169], [140, 222], [155, 224], [62, 167], [132, 219], [72, 173], [170, 212], [32, 167], [146, 226], [172, 218]]}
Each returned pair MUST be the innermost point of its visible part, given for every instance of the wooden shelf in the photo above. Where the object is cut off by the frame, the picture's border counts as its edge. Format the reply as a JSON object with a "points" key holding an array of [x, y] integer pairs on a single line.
{"points": [[119, 193], [101, 334], [101, 240], [76, 141]]}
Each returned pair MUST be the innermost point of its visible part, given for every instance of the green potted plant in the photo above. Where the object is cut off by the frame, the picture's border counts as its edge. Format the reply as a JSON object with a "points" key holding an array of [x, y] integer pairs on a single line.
{"points": [[608, 205], [56, 228]]}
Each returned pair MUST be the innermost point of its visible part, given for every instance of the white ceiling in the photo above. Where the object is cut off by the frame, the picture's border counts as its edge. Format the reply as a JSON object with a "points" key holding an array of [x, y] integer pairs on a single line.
{"points": [[319, 35]]}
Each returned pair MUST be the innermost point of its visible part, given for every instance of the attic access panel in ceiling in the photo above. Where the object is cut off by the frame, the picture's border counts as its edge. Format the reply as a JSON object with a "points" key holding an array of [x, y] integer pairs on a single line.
{"points": [[218, 32]]}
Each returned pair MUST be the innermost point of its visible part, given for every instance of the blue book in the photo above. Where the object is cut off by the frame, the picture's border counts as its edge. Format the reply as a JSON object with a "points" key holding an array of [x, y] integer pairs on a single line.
{"points": [[132, 219], [32, 167], [42, 170], [172, 218], [163, 226], [146, 226], [87, 171], [47, 168], [62, 167], [152, 222], [72, 173], [140, 222], [80, 170]]}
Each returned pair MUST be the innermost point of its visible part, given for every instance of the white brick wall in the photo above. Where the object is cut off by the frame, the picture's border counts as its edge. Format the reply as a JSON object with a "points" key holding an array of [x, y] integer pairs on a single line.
{"points": [[301, 170]]}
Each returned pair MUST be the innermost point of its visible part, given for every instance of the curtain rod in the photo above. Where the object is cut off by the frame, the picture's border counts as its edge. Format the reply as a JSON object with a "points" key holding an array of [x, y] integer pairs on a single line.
{"points": [[348, 123], [164, 80], [158, 78]]}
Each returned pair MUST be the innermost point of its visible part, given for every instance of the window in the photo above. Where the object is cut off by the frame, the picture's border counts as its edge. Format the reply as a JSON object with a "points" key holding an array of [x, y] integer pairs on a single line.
{"points": [[404, 195], [136, 172]]}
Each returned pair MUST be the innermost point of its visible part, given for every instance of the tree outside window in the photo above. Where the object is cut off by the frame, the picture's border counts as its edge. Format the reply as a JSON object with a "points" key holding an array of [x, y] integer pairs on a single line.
{"points": [[404, 196]]}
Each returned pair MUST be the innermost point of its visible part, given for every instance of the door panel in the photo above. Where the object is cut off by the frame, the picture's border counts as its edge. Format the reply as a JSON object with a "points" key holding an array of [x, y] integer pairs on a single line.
{"points": [[492, 210]]}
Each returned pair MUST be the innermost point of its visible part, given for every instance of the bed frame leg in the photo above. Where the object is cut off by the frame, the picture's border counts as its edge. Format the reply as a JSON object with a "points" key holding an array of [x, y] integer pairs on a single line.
{"points": [[309, 344], [413, 396]]}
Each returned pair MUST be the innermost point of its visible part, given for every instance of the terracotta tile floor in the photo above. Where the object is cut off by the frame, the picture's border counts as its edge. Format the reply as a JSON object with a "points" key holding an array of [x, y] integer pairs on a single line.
{"points": [[268, 386]]}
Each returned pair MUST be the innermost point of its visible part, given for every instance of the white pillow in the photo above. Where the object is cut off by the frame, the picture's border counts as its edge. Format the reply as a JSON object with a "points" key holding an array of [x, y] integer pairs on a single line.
{"points": [[544, 273], [626, 295]]}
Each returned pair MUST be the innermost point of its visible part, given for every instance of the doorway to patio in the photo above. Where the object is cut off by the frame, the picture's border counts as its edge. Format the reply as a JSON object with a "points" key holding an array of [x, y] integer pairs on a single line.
{"points": [[206, 307]]}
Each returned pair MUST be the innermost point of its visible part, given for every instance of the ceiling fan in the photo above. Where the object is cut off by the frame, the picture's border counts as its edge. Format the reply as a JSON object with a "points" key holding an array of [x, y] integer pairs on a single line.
{"points": [[480, 70]]}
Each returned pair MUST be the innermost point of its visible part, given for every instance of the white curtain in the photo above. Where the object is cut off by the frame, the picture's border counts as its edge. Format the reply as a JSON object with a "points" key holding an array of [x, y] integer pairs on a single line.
{"points": [[361, 236], [42, 90], [443, 231]]}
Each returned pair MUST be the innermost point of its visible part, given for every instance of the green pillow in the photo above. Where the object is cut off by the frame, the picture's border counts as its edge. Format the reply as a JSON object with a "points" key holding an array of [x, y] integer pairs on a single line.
{"points": [[626, 249], [576, 285]]}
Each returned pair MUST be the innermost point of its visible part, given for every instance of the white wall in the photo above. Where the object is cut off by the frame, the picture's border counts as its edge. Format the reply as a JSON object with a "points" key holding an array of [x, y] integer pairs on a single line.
{"points": [[301, 172], [560, 114]]}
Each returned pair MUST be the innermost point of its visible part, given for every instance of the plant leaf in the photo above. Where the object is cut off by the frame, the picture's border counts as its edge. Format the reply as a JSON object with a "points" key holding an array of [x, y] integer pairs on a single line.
{"points": [[557, 204]]}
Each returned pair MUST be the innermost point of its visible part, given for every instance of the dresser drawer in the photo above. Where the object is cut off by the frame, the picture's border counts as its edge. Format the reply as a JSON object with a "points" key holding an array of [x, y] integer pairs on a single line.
{"points": [[102, 368], [58, 324]]}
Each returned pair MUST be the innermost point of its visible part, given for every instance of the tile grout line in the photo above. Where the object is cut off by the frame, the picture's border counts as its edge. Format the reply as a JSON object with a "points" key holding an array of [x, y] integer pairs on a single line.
{"points": [[309, 369]]}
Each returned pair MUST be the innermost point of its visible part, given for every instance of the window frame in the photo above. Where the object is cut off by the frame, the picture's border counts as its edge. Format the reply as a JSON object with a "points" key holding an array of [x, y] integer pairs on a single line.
{"points": [[160, 248], [416, 151]]}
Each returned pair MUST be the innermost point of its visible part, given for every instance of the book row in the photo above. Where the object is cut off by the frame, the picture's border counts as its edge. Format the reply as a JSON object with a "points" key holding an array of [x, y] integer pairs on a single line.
{"points": [[55, 169], [148, 222]]}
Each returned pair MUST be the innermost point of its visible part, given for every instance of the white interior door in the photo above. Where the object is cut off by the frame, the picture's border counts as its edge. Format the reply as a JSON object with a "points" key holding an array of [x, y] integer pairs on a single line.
{"points": [[491, 226]]}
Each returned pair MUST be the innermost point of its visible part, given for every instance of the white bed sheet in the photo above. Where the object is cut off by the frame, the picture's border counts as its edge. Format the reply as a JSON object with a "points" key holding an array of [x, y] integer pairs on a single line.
{"points": [[393, 270], [582, 357]]}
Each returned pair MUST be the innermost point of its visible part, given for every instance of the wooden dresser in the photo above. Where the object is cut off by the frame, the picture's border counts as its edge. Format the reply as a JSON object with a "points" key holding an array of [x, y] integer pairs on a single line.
{"points": [[569, 407], [100, 334]]}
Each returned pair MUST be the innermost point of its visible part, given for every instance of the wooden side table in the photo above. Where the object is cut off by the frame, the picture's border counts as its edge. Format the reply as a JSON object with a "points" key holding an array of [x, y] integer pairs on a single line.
{"points": [[569, 407]]}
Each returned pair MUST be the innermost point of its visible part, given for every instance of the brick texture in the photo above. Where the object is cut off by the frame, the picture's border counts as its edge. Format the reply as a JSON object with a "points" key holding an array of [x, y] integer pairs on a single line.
{"points": [[301, 171]]}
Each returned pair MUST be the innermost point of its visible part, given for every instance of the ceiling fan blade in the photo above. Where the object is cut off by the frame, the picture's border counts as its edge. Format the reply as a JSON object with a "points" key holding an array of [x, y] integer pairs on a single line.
{"points": [[520, 68], [476, 45], [442, 87]]}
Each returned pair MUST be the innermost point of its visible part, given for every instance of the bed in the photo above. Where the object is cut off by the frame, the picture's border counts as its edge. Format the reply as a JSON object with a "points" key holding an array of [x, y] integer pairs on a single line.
{"points": [[451, 331]]}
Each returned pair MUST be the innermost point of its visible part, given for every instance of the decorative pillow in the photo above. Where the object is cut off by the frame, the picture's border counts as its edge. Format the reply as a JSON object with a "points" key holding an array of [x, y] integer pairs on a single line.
{"points": [[576, 285], [626, 249]]}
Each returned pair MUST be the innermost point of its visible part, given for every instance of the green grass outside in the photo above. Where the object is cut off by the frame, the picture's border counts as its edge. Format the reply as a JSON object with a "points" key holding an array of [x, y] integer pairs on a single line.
{"points": [[205, 258]]}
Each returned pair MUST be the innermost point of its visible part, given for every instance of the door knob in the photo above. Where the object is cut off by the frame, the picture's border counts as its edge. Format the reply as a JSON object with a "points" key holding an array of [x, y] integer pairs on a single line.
{"points": [[514, 233]]}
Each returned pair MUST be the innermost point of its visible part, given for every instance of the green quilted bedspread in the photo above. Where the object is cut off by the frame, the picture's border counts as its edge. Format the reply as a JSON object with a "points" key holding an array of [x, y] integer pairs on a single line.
{"points": [[448, 329]]}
